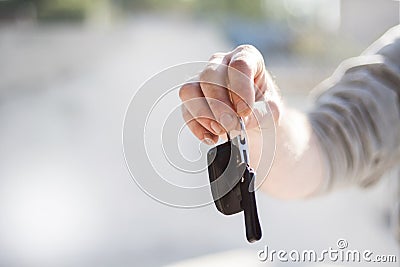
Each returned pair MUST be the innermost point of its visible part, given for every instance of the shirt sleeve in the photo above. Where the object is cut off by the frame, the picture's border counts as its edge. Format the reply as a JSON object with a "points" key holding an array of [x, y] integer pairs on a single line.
{"points": [[356, 116]]}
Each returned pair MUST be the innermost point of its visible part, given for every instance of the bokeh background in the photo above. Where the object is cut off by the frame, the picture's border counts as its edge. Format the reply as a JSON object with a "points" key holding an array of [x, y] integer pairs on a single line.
{"points": [[68, 70]]}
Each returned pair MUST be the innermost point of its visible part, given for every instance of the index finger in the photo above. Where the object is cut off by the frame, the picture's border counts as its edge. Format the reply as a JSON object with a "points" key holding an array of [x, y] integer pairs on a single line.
{"points": [[246, 65]]}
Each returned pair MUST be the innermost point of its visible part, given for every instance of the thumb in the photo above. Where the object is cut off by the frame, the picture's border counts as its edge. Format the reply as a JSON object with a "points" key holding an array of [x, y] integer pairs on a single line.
{"points": [[264, 115]]}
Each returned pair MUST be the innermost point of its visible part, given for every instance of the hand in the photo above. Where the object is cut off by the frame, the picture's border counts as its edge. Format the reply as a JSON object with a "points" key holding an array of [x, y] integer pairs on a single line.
{"points": [[231, 85], [237, 84]]}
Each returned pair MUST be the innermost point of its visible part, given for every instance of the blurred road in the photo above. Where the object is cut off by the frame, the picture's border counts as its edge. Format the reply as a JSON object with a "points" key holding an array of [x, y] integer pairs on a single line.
{"points": [[66, 198]]}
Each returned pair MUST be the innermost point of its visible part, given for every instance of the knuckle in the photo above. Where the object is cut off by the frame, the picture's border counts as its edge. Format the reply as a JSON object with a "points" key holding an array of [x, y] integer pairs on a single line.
{"points": [[207, 75], [216, 55], [246, 47], [206, 87], [241, 64], [184, 91]]}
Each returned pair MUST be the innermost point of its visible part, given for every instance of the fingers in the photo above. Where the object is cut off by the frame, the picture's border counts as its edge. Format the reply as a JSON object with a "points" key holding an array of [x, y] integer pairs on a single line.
{"points": [[214, 88], [227, 87], [197, 129], [196, 104], [245, 67]]}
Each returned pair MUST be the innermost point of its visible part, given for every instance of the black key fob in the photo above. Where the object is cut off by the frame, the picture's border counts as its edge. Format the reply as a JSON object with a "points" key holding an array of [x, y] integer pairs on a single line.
{"points": [[225, 175], [232, 186]]}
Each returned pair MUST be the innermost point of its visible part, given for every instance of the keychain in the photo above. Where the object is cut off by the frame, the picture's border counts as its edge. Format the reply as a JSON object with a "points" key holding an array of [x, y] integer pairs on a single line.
{"points": [[232, 181]]}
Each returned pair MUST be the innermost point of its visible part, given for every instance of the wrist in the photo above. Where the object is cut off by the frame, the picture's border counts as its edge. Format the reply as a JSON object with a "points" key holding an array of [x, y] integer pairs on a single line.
{"points": [[295, 171]]}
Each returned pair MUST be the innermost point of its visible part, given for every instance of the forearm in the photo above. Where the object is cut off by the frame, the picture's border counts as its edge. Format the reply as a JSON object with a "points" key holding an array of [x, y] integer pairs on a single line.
{"points": [[298, 169], [352, 134]]}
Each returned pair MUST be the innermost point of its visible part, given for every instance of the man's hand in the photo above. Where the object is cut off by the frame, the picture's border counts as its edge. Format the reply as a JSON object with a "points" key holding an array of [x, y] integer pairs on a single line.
{"points": [[237, 84], [228, 87]]}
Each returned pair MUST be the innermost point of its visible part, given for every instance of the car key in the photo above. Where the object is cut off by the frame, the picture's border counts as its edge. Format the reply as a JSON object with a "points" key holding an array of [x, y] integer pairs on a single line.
{"points": [[248, 203], [232, 181]]}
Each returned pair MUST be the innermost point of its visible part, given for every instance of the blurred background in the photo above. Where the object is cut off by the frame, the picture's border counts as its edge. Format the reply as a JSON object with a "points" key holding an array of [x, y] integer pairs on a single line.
{"points": [[68, 69]]}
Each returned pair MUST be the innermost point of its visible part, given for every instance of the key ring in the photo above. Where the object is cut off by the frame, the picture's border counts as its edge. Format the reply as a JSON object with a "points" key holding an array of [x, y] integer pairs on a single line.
{"points": [[241, 142]]}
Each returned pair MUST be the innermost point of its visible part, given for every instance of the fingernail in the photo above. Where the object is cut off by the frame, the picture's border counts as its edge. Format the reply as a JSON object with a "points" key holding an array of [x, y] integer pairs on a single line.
{"points": [[241, 107], [216, 128], [226, 119], [208, 139]]}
